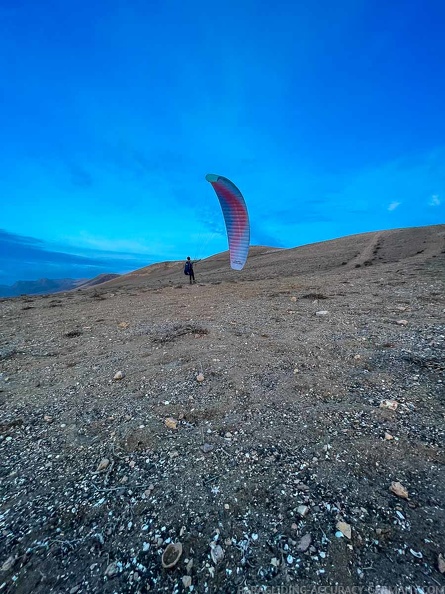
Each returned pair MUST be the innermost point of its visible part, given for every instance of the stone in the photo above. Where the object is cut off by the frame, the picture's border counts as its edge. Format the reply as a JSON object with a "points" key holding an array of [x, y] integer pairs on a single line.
{"points": [[399, 490], [112, 569], [304, 543], [389, 404], [186, 581], [171, 423], [103, 464], [8, 564], [216, 553], [345, 529], [171, 555]]}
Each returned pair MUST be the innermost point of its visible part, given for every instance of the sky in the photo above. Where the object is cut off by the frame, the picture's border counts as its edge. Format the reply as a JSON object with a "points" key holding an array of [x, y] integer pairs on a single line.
{"points": [[328, 116]]}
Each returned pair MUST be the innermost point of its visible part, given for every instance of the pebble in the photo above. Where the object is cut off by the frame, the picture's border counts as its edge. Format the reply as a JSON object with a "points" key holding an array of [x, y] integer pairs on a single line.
{"points": [[302, 487], [119, 375], [399, 490], [74, 589], [389, 404], [7, 565], [103, 464], [441, 563], [322, 312], [200, 377], [216, 553], [402, 322], [112, 569], [345, 529], [186, 581], [304, 543], [171, 555], [171, 423], [207, 447], [302, 510]]}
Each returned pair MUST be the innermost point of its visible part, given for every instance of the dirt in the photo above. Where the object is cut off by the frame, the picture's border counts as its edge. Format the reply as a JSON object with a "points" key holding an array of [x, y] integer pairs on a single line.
{"points": [[287, 436]]}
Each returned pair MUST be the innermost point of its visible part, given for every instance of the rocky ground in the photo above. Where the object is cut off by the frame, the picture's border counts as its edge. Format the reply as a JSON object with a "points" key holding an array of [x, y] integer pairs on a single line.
{"points": [[284, 425]]}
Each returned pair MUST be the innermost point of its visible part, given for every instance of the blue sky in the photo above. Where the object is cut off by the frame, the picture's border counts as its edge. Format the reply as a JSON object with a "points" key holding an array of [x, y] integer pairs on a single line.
{"points": [[329, 117]]}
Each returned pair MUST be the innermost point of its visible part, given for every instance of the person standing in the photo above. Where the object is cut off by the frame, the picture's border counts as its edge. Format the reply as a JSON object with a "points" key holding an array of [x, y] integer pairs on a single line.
{"points": [[188, 269]]}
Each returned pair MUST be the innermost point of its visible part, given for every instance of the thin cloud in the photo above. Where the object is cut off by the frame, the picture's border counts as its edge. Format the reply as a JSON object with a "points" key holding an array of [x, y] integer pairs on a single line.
{"points": [[27, 258], [11, 239], [435, 200], [394, 205]]}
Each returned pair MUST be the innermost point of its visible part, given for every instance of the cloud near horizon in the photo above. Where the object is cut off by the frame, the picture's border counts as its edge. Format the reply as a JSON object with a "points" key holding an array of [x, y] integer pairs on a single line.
{"points": [[28, 258]]}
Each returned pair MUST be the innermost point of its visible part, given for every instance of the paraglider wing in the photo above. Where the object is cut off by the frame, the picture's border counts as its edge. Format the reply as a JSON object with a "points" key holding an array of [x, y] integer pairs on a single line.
{"points": [[236, 219]]}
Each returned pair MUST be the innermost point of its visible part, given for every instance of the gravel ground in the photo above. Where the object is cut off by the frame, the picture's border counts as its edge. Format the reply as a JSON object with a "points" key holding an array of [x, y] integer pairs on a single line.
{"points": [[284, 424]]}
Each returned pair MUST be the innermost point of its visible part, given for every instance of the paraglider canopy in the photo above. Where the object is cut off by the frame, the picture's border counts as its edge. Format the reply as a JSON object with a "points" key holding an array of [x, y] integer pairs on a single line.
{"points": [[235, 217]]}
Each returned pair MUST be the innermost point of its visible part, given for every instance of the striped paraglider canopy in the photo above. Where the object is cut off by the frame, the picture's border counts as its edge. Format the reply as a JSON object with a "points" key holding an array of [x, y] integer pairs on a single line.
{"points": [[235, 217]]}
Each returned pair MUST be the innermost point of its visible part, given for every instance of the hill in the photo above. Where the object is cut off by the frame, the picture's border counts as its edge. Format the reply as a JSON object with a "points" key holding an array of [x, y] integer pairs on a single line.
{"points": [[45, 286], [98, 280], [39, 287], [368, 249], [285, 424]]}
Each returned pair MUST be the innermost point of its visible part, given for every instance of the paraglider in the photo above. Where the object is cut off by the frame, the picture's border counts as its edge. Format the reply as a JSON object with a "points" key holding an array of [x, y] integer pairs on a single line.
{"points": [[236, 219]]}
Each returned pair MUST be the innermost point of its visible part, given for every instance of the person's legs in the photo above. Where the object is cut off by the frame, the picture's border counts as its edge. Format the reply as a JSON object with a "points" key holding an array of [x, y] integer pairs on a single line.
{"points": [[191, 277]]}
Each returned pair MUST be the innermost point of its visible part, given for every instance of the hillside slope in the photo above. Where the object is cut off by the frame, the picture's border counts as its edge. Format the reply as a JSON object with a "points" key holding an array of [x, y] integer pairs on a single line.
{"points": [[288, 419], [412, 245]]}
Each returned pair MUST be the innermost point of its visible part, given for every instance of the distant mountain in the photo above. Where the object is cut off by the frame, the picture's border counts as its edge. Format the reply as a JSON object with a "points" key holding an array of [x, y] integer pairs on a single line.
{"points": [[40, 287], [97, 280]]}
